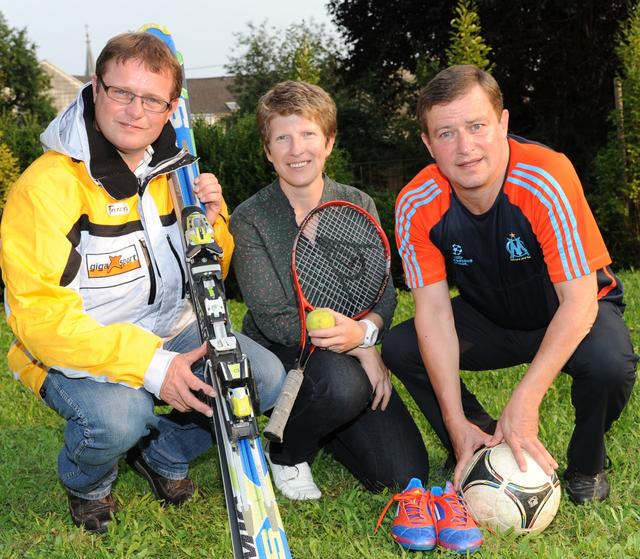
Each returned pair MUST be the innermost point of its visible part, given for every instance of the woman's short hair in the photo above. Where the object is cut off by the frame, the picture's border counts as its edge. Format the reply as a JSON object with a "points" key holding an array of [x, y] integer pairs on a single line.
{"points": [[297, 98]]}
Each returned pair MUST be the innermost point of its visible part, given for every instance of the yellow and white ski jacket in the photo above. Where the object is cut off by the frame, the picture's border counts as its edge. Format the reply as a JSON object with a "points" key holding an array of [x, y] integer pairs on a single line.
{"points": [[92, 259]]}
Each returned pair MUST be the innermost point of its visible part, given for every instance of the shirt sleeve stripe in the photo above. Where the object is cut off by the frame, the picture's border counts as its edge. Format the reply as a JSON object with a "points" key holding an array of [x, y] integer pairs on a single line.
{"points": [[566, 232], [569, 209], [406, 208]]}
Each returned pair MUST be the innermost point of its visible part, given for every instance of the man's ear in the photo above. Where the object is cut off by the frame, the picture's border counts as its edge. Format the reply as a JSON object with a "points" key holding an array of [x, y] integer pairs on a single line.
{"points": [[173, 105], [425, 140], [504, 121], [94, 86]]}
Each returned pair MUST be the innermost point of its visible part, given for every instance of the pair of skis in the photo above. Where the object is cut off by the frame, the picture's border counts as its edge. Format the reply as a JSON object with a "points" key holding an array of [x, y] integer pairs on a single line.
{"points": [[254, 518]]}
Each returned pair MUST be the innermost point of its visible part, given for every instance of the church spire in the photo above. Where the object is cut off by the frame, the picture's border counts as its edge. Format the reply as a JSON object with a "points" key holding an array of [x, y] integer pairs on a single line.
{"points": [[90, 66]]}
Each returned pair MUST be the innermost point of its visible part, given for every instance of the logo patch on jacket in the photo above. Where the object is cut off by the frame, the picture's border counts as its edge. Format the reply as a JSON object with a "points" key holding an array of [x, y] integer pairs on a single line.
{"points": [[119, 208], [111, 264]]}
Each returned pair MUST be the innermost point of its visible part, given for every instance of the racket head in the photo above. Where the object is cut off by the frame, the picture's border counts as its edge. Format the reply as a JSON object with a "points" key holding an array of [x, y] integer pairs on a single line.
{"points": [[341, 260]]}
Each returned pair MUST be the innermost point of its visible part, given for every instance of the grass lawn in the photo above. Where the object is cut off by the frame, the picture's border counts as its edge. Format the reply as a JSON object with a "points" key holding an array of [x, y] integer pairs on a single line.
{"points": [[34, 521]]}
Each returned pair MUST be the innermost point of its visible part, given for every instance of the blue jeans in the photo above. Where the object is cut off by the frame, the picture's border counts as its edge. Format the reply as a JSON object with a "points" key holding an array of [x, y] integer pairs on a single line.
{"points": [[105, 420]]}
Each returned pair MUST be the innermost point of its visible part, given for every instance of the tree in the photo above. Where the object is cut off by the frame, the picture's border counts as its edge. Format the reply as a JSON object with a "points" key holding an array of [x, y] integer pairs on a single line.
{"points": [[23, 83], [467, 45], [305, 66], [267, 56], [25, 108], [553, 60], [617, 167]]}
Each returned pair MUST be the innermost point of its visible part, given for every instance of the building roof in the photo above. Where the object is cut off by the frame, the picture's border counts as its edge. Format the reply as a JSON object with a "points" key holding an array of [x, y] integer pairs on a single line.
{"points": [[211, 95], [64, 87]]}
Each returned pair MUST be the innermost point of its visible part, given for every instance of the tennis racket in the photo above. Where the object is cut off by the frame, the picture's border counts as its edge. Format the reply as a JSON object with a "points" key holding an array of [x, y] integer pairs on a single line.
{"points": [[341, 261]]}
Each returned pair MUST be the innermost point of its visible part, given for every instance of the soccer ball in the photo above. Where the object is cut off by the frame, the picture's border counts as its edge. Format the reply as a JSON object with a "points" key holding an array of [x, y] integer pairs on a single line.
{"points": [[501, 497]]}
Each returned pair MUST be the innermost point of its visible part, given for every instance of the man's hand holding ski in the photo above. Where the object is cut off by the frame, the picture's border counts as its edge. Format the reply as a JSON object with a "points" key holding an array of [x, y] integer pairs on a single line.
{"points": [[180, 384], [209, 192]]}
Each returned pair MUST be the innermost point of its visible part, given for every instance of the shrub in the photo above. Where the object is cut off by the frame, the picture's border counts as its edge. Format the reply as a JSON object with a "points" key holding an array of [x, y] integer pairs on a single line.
{"points": [[9, 172], [21, 133]]}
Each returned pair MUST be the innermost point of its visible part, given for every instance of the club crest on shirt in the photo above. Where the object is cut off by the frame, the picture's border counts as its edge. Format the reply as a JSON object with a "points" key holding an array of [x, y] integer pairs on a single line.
{"points": [[457, 257], [114, 263], [516, 249]]}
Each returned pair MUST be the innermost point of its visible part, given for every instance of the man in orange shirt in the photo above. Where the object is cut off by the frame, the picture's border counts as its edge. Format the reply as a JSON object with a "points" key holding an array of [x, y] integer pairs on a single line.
{"points": [[506, 220]]}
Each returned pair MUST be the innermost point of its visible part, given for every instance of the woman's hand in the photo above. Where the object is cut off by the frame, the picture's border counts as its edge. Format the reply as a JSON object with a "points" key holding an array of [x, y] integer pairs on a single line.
{"points": [[346, 335], [377, 373]]}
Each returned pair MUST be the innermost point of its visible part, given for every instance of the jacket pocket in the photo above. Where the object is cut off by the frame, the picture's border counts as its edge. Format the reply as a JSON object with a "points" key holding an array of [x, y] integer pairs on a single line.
{"points": [[179, 261], [152, 275]]}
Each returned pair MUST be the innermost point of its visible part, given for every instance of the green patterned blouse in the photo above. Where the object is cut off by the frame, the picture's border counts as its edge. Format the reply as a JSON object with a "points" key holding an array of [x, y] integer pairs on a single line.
{"points": [[264, 228]]}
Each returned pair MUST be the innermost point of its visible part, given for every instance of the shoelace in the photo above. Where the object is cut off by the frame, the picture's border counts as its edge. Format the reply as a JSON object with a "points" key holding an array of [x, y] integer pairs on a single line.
{"points": [[412, 501], [456, 505]]}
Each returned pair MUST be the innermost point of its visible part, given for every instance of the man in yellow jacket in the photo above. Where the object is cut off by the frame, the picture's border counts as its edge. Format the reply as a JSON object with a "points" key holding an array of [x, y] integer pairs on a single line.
{"points": [[93, 266]]}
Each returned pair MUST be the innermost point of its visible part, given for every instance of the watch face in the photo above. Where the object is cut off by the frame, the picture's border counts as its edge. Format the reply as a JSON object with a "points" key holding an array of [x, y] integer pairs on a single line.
{"points": [[371, 334]]}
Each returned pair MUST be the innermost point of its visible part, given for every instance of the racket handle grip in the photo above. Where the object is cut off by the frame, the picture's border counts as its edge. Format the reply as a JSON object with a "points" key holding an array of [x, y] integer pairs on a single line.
{"points": [[282, 409]]}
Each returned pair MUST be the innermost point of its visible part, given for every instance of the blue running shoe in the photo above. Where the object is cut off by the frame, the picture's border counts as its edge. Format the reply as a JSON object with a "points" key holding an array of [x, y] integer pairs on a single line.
{"points": [[457, 531], [413, 527]]}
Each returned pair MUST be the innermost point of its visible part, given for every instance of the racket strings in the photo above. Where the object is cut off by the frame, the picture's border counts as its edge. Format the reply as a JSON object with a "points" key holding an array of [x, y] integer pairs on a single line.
{"points": [[341, 261]]}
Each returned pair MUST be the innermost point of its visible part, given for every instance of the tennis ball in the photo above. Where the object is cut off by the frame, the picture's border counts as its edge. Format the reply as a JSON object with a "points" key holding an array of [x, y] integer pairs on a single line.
{"points": [[320, 318]]}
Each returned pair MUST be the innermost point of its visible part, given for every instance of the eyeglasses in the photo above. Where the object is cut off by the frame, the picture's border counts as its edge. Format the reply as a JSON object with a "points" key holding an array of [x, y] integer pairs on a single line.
{"points": [[125, 97]]}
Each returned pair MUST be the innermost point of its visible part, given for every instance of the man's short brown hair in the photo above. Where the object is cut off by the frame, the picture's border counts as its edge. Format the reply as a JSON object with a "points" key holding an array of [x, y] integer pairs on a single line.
{"points": [[148, 49], [452, 83], [297, 98]]}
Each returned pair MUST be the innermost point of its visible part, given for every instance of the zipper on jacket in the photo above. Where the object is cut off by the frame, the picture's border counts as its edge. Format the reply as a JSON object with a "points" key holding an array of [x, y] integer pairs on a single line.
{"points": [[182, 274], [152, 274], [181, 159]]}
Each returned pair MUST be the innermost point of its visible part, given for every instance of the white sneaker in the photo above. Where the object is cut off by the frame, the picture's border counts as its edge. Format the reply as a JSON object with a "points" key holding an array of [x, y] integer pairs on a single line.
{"points": [[294, 482]]}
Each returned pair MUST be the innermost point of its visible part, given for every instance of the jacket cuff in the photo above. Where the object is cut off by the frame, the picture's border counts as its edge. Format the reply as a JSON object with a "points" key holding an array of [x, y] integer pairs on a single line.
{"points": [[157, 370]]}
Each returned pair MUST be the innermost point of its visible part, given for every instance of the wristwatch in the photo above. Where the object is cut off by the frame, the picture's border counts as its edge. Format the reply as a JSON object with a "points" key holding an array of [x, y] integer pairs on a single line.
{"points": [[371, 333]]}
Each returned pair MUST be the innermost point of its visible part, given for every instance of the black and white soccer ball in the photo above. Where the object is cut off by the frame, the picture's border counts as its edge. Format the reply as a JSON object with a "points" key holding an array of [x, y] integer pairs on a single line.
{"points": [[501, 497]]}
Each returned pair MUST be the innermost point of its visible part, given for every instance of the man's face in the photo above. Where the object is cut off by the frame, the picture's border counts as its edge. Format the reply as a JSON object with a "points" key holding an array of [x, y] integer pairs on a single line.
{"points": [[468, 140], [297, 149], [131, 128]]}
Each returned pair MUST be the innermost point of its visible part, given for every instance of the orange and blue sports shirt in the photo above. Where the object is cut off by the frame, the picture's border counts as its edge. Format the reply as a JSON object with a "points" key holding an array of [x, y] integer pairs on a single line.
{"points": [[539, 231]]}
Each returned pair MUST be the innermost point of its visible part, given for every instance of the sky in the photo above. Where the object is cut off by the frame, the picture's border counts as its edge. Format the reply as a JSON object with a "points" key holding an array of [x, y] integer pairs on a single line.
{"points": [[202, 30]]}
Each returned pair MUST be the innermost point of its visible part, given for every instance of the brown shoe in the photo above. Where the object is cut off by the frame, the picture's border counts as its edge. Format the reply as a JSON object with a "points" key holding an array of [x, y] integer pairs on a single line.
{"points": [[93, 515], [170, 491]]}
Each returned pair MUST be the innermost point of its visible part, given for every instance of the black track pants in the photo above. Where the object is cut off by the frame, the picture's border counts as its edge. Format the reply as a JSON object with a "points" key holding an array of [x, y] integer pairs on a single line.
{"points": [[602, 367]]}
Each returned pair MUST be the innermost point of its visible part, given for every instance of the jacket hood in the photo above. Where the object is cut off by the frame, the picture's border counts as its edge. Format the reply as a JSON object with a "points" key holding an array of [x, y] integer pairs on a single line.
{"points": [[66, 133], [73, 133]]}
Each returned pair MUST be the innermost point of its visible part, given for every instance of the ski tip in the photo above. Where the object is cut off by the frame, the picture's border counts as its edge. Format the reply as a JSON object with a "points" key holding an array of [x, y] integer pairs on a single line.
{"points": [[159, 27]]}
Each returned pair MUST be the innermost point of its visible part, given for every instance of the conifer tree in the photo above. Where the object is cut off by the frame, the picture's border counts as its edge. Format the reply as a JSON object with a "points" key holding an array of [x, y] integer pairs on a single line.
{"points": [[467, 44]]}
